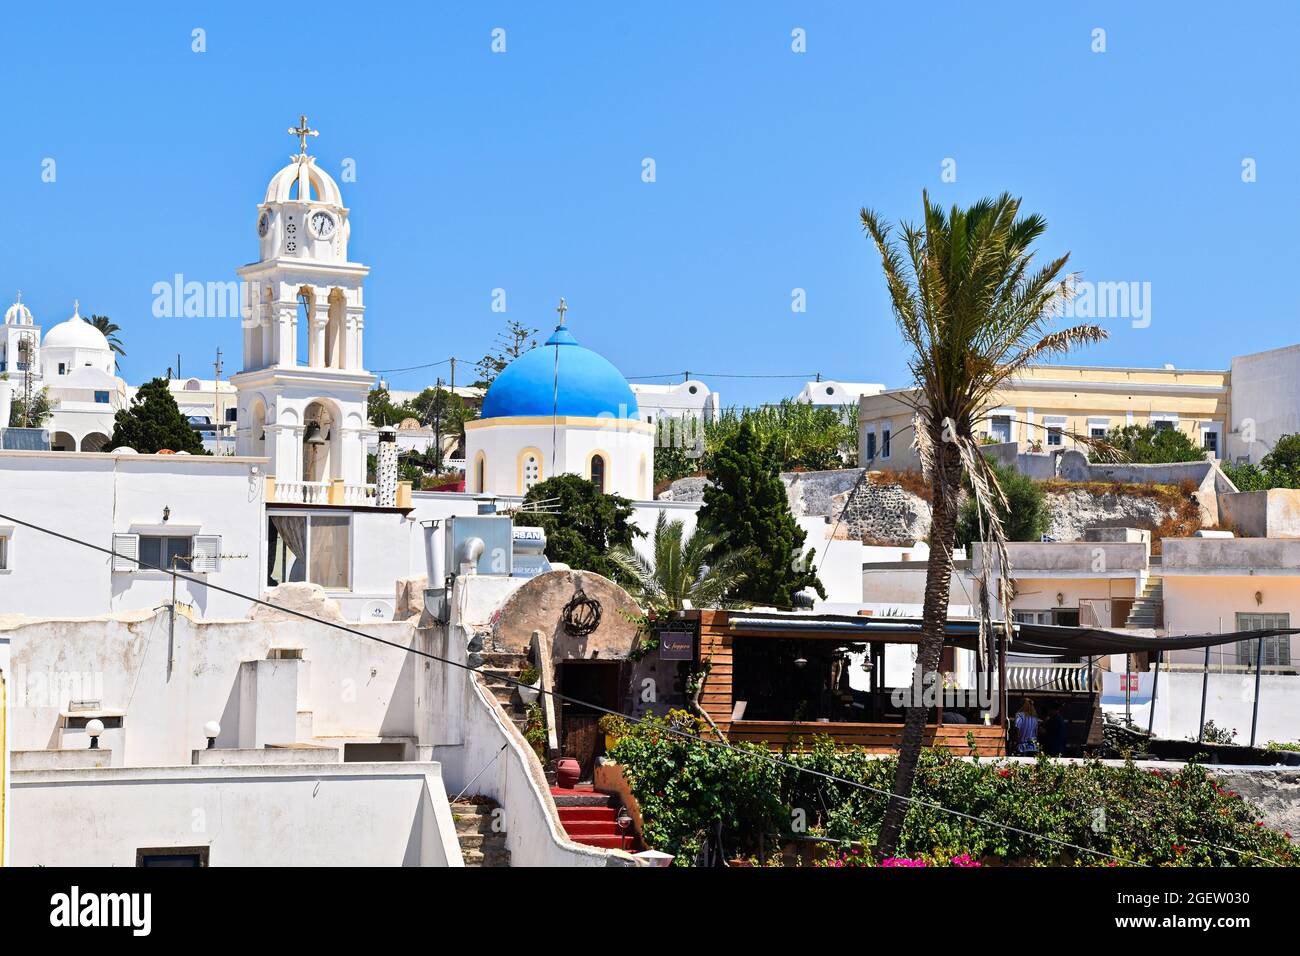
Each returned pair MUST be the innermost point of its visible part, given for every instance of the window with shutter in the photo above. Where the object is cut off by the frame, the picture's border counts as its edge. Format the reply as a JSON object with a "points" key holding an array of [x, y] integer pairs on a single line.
{"points": [[207, 553], [126, 551]]}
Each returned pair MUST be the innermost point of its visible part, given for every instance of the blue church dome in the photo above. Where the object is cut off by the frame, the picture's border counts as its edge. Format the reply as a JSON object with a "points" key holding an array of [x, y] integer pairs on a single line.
{"points": [[560, 378]]}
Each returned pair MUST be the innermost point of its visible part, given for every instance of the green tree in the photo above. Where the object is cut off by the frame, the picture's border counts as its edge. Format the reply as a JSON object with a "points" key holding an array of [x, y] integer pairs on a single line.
{"points": [[747, 508], [1024, 514], [445, 412], [795, 435], [381, 410], [1284, 460], [1280, 468], [975, 309], [580, 522], [109, 328], [40, 411], [511, 342], [153, 422], [1148, 445], [689, 570]]}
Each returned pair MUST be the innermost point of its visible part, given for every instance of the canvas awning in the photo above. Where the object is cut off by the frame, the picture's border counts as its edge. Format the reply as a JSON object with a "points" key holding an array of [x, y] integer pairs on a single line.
{"points": [[1048, 639]]}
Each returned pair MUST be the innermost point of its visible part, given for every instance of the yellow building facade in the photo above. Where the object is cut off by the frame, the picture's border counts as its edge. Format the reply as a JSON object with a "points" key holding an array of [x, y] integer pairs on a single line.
{"points": [[1041, 408]]}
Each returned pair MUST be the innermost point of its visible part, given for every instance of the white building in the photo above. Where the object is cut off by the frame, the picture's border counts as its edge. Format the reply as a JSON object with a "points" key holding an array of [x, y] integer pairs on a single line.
{"points": [[688, 399], [560, 408], [75, 365], [204, 512], [1265, 402], [302, 391], [832, 394]]}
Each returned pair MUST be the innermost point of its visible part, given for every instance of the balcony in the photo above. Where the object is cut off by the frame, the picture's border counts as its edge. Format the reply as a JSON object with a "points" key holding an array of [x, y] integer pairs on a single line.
{"points": [[335, 492]]}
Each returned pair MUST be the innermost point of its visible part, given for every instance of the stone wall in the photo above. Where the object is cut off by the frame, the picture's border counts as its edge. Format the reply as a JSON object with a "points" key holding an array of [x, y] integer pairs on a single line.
{"points": [[1275, 792], [870, 509], [1076, 510]]}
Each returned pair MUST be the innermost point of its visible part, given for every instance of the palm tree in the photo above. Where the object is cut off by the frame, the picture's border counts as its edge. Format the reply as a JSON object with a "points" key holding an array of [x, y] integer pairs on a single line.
{"points": [[109, 329], [975, 310], [688, 570]]}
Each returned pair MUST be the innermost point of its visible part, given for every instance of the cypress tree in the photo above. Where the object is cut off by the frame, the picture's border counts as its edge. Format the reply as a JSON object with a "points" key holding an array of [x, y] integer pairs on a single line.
{"points": [[154, 422], [747, 506]]}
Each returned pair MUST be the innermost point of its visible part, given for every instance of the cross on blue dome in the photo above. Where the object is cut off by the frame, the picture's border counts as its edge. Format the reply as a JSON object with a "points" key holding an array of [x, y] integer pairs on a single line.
{"points": [[561, 378]]}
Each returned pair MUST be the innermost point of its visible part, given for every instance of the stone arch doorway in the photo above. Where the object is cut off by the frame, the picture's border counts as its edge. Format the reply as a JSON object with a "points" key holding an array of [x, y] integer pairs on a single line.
{"points": [[595, 669], [62, 441]]}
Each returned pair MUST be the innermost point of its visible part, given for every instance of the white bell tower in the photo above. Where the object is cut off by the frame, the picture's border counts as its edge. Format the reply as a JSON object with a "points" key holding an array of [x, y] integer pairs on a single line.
{"points": [[303, 387]]}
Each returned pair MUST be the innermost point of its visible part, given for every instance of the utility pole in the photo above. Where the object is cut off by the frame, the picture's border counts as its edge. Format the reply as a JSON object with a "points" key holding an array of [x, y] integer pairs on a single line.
{"points": [[216, 398], [437, 427], [453, 374]]}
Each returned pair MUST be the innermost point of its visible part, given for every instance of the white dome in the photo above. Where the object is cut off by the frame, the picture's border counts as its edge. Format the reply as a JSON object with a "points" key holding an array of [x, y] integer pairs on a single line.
{"points": [[314, 184], [18, 314], [75, 333]]}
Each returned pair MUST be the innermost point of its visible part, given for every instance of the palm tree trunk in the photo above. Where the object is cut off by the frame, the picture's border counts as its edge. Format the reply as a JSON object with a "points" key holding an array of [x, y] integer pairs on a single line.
{"points": [[938, 584]]}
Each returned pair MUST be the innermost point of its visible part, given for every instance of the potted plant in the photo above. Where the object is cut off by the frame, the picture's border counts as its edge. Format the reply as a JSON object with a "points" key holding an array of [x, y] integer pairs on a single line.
{"points": [[530, 684], [613, 727]]}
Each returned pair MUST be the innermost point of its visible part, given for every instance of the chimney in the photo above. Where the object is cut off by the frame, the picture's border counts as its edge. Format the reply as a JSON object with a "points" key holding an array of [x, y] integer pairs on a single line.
{"points": [[386, 469]]}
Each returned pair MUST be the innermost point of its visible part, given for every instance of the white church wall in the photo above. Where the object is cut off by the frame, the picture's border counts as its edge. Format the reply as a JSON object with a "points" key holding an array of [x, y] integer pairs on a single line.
{"points": [[566, 447], [93, 497]]}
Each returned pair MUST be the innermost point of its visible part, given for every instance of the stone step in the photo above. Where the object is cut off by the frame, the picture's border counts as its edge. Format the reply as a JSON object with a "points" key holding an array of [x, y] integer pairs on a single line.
{"points": [[498, 659], [480, 858], [501, 674], [568, 798], [605, 842], [606, 815]]}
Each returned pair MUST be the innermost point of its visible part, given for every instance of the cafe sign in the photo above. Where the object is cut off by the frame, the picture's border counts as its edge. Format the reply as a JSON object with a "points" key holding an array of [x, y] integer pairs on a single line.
{"points": [[676, 645]]}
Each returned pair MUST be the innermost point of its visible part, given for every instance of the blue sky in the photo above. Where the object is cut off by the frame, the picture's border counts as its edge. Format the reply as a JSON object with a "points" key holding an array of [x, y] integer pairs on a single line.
{"points": [[523, 170]]}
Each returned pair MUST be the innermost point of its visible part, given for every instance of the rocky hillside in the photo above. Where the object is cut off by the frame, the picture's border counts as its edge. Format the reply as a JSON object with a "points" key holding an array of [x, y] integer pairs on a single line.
{"points": [[889, 508]]}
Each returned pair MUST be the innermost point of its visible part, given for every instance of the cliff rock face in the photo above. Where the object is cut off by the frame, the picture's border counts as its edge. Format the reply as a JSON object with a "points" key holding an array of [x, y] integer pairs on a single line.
{"points": [[1074, 511], [875, 509], [868, 508]]}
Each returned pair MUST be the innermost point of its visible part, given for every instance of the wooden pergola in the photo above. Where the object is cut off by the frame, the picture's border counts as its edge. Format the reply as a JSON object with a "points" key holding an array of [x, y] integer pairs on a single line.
{"points": [[718, 631]]}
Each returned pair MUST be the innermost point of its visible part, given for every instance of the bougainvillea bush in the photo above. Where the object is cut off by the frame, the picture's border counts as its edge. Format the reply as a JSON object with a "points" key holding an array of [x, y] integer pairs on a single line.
{"points": [[1041, 813]]}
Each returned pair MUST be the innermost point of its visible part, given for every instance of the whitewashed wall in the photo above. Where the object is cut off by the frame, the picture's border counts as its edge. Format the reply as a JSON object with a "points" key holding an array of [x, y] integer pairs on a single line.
{"points": [[355, 689], [94, 496], [358, 814]]}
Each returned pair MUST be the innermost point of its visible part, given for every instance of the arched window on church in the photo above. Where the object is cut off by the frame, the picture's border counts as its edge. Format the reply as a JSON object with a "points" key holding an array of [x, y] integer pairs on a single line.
{"points": [[598, 472], [480, 473], [532, 471]]}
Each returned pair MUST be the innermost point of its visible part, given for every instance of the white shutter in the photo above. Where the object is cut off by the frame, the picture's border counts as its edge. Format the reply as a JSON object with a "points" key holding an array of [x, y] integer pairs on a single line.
{"points": [[126, 548], [207, 553]]}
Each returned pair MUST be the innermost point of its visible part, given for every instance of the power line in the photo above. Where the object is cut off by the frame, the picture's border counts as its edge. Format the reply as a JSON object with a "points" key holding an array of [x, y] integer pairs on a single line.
{"points": [[572, 700], [805, 376]]}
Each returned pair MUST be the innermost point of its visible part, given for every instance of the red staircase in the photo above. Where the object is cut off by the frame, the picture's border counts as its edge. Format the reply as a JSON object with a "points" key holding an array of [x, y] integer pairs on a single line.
{"points": [[591, 817]]}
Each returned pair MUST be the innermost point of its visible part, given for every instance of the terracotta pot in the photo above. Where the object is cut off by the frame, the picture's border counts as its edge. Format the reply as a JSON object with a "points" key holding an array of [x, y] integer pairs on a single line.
{"points": [[567, 772]]}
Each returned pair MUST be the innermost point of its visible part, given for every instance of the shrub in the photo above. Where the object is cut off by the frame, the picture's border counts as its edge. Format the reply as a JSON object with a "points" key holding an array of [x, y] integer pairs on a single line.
{"points": [[1090, 812], [1025, 518], [1148, 445]]}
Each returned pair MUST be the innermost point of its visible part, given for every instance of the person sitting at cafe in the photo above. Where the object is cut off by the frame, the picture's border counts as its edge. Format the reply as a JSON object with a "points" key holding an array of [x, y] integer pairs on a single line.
{"points": [[1054, 730], [1026, 728]]}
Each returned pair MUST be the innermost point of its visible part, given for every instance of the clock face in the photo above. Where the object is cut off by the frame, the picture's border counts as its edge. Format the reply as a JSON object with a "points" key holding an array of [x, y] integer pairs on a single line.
{"points": [[263, 224], [322, 224]]}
